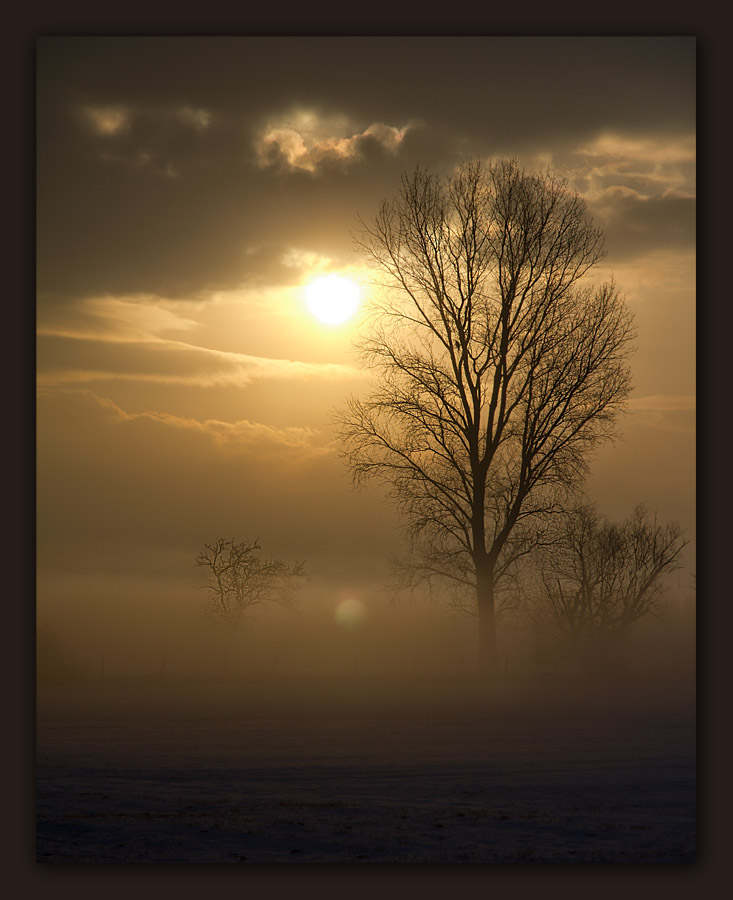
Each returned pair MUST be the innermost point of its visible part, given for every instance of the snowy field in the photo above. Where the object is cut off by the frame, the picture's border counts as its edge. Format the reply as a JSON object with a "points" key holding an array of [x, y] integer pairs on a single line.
{"points": [[163, 774]]}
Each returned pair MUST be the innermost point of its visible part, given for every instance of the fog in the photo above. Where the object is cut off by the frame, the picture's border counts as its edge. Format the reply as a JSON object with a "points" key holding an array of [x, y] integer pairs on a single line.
{"points": [[362, 737], [164, 654]]}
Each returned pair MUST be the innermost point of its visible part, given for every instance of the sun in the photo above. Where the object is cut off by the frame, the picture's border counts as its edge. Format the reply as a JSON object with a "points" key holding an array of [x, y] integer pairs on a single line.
{"points": [[332, 298]]}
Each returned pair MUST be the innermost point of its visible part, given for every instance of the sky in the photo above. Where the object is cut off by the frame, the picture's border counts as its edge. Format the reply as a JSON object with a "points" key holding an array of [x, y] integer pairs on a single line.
{"points": [[188, 190]]}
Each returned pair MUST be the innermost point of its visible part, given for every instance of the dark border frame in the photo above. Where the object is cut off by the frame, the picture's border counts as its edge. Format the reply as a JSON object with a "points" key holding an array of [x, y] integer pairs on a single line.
{"points": [[22, 27]]}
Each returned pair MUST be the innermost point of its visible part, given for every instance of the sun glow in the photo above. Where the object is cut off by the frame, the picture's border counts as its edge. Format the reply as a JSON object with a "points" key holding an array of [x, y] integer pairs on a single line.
{"points": [[332, 298]]}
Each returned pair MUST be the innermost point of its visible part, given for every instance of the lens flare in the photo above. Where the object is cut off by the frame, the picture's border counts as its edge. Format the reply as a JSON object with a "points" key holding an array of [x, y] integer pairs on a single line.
{"points": [[350, 613]]}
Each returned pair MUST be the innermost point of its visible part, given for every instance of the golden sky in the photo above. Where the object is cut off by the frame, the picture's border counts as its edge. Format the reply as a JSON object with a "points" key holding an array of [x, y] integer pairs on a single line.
{"points": [[189, 189]]}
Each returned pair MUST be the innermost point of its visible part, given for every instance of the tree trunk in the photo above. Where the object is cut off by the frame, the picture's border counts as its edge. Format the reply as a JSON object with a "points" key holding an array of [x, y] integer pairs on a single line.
{"points": [[488, 662]]}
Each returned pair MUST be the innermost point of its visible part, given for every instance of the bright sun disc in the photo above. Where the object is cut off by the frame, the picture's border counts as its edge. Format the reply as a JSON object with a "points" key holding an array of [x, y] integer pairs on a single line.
{"points": [[332, 298]]}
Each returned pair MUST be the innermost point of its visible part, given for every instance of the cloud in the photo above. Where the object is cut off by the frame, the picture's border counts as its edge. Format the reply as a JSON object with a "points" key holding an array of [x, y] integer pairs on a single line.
{"points": [[295, 258], [107, 121], [198, 119], [649, 167], [68, 359], [637, 226], [162, 140], [661, 153], [110, 119], [233, 434], [640, 189], [304, 140], [131, 318]]}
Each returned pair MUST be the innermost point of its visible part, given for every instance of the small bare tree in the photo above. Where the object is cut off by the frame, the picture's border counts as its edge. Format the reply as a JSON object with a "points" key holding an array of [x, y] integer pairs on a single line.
{"points": [[241, 579], [498, 369], [599, 578]]}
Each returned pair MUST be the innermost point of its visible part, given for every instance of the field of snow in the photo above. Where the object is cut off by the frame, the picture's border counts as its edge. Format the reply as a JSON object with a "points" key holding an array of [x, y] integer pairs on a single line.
{"points": [[157, 775]]}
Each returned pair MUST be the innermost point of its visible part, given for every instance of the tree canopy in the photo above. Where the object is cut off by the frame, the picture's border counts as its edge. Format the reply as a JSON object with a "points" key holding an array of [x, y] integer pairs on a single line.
{"points": [[240, 578], [598, 578], [498, 367]]}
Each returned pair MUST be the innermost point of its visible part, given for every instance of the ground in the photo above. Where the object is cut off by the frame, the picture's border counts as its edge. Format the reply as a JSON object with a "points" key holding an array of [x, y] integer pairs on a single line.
{"points": [[157, 775]]}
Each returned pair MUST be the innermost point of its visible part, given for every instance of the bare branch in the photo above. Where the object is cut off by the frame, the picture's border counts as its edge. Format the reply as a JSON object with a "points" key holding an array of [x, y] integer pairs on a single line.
{"points": [[240, 578], [601, 577], [498, 369]]}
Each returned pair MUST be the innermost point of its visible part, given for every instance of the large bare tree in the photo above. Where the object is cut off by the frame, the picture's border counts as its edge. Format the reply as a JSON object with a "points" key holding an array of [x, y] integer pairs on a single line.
{"points": [[498, 367], [599, 578]]}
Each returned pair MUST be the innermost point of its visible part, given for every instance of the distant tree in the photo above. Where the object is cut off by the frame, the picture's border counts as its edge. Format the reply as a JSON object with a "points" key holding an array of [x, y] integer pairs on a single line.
{"points": [[498, 369], [240, 578], [599, 578]]}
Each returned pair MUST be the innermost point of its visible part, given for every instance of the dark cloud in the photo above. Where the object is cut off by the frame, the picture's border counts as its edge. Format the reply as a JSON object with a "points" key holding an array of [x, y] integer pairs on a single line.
{"points": [[165, 207], [635, 224]]}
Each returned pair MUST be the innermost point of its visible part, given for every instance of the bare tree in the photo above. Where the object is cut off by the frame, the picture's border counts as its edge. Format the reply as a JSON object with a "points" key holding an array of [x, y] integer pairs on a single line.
{"points": [[498, 369], [599, 578], [241, 579]]}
